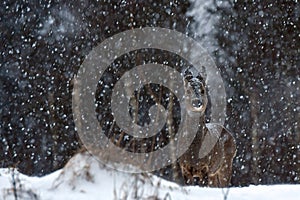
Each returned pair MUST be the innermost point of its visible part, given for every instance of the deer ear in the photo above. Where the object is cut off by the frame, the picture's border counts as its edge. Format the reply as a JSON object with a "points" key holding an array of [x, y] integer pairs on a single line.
{"points": [[203, 74]]}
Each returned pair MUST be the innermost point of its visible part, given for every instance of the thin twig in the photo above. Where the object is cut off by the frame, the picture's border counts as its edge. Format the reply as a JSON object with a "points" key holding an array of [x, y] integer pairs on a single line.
{"points": [[14, 183], [225, 193]]}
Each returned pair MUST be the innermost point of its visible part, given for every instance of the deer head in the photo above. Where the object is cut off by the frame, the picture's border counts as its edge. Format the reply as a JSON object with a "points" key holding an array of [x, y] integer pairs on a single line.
{"points": [[195, 93]]}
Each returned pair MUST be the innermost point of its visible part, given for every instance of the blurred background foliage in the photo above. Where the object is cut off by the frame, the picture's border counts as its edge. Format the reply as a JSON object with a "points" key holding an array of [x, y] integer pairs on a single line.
{"points": [[256, 47]]}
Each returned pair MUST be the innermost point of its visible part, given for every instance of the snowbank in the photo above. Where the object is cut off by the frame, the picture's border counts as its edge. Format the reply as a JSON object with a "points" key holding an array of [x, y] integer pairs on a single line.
{"points": [[85, 178]]}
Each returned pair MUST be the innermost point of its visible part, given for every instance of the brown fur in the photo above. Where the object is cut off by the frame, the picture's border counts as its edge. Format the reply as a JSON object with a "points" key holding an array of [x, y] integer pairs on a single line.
{"points": [[214, 169]]}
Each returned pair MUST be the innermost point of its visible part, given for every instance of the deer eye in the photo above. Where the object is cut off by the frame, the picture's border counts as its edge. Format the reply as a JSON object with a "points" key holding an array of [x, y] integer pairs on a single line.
{"points": [[202, 91]]}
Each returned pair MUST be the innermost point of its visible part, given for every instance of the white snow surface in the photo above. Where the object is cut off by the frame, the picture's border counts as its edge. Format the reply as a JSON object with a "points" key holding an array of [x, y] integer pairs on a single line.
{"points": [[85, 178]]}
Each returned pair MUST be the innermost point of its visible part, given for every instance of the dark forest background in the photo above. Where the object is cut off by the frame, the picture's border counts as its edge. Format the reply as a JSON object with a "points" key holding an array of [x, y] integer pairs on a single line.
{"points": [[43, 44]]}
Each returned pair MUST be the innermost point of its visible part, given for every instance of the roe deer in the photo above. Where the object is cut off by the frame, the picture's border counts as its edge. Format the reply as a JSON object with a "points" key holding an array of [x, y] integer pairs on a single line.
{"points": [[214, 169]]}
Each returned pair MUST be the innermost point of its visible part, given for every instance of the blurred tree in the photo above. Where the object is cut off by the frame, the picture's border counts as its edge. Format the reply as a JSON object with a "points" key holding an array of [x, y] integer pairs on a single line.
{"points": [[42, 46], [258, 55]]}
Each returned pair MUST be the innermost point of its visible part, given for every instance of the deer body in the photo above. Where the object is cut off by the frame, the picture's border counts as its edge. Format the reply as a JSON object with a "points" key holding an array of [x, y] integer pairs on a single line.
{"points": [[215, 169]]}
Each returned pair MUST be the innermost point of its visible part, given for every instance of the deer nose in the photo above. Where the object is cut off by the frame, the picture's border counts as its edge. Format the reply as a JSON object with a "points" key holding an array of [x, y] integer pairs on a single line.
{"points": [[197, 102]]}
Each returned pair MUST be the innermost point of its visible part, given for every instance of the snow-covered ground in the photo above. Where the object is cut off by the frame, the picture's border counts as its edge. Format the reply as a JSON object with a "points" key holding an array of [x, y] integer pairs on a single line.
{"points": [[85, 178]]}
